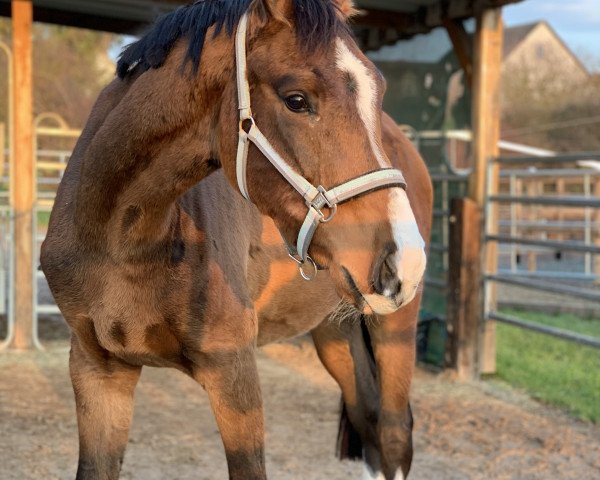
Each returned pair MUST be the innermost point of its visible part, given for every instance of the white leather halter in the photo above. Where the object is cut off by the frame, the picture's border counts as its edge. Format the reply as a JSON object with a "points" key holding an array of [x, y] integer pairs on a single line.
{"points": [[316, 198]]}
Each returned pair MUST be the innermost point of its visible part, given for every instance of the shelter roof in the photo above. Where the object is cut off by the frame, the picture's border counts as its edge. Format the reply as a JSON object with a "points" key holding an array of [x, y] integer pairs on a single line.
{"points": [[383, 21]]}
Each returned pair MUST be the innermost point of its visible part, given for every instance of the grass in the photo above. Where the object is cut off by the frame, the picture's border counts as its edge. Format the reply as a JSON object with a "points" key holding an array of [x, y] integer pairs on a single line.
{"points": [[43, 218], [552, 370]]}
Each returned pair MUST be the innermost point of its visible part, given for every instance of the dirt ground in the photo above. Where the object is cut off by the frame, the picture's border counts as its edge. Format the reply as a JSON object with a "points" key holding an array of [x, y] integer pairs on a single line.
{"points": [[463, 431]]}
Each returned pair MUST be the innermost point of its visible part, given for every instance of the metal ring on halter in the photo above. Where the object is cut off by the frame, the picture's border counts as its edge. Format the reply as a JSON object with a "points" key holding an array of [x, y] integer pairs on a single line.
{"points": [[301, 263], [296, 258], [329, 218], [303, 274]]}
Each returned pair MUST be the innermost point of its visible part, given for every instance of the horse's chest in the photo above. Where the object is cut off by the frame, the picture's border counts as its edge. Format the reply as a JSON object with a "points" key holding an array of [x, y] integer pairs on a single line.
{"points": [[289, 306], [135, 316], [142, 334]]}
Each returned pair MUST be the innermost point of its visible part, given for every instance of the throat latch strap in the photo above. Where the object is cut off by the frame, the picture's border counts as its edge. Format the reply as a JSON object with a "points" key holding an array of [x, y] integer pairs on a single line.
{"points": [[316, 198]]}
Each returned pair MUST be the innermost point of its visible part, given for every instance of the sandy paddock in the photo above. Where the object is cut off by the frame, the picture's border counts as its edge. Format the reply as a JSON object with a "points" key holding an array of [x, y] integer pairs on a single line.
{"points": [[463, 431]]}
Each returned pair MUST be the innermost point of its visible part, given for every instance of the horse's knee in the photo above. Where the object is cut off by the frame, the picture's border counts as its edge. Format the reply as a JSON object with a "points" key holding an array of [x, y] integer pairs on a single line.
{"points": [[103, 387], [232, 383]]}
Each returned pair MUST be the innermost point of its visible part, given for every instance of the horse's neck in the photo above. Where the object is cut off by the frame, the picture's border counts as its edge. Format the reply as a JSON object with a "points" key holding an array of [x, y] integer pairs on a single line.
{"points": [[156, 143]]}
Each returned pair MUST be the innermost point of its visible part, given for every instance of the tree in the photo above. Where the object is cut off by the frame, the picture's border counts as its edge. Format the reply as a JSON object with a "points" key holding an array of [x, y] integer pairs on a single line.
{"points": [[70, 67], [544, 105]]}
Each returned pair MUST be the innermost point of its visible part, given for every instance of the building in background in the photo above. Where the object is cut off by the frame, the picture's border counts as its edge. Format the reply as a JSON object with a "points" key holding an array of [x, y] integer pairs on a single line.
{"points": [[537, 48]]}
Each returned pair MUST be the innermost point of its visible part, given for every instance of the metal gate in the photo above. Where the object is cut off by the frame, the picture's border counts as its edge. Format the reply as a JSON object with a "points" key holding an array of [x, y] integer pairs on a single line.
{"points": [[448, 182], [53, 143], [544, 207]]}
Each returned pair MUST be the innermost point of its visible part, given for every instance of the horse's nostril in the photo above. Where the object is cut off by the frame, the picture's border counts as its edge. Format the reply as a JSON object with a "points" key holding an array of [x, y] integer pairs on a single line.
{"points": [[387, 282]]}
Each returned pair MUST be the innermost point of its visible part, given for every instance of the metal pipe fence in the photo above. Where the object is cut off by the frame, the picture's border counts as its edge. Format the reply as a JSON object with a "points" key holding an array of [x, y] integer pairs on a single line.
{"points": [[6, 212], [50, 165], [585, 203]]}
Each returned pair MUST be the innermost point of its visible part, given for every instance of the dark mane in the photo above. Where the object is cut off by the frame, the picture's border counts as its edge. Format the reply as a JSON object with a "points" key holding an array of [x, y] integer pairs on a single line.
{"points": [[315, 21]]}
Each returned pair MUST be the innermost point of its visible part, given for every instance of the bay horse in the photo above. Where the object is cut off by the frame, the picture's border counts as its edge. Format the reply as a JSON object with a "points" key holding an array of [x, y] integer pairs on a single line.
{"points": [[155, 258]]}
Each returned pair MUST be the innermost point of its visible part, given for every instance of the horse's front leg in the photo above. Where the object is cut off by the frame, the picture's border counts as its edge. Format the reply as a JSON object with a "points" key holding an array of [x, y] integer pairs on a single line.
{"points": [[230, 378], [394, 343], [104, 388], [347, 358]]}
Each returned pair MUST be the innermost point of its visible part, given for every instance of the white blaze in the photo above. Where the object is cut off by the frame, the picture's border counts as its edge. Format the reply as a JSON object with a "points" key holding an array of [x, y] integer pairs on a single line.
{"points": [[410, 258], [366, 95]]}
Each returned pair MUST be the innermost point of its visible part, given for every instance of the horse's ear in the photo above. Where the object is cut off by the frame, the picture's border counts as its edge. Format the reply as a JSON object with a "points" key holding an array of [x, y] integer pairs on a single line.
{"points": [[346, 8], [261, 11]]}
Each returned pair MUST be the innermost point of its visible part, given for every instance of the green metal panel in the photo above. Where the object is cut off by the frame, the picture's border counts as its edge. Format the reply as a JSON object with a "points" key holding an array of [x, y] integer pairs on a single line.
{"points": [[426, 90]]}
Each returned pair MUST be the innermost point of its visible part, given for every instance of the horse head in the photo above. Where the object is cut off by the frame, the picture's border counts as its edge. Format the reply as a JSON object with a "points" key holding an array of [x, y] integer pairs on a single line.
{"points": [[317, 99]]}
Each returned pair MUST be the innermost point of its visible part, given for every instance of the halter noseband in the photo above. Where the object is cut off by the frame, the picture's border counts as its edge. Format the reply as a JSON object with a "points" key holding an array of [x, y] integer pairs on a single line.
{"points": [[316, 198]]}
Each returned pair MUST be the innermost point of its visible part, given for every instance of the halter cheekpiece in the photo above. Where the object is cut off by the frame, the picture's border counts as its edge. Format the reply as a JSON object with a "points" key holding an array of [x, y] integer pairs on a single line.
{"points": [[316, 198]]}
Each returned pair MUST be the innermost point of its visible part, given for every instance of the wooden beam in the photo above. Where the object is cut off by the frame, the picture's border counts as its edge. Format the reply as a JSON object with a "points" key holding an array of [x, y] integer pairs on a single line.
{"points": [[464, 307], [463, 47], [22, 15], [79, 20], [378, 17], [405, 24], [486, 134]]}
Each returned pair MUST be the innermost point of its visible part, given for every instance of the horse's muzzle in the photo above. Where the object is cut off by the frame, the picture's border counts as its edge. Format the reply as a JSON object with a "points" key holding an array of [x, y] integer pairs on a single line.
{"points": [[371, 303]]}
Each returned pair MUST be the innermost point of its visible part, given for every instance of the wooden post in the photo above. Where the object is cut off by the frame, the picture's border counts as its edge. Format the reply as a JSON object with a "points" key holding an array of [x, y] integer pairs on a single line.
{"points": [[486, 134], [464, 306], [22, 18]]}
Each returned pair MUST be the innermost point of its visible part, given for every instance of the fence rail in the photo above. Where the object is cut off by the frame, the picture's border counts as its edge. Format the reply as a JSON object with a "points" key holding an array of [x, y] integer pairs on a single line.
{"points": [[546, 286], [553, 331], [555, 201], [553, 160], [549, 172], [557, 245]]}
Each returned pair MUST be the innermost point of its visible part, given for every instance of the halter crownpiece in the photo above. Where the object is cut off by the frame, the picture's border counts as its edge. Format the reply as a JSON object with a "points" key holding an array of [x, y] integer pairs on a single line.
{"points": [[316, 198]]}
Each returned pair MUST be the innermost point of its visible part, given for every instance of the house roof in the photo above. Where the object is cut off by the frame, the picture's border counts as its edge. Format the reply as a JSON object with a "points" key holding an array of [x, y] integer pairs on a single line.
{"points": [[513, 36]]}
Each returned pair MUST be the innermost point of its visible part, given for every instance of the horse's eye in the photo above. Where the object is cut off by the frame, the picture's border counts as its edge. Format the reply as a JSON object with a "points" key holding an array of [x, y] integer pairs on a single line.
{"points": [[297, 103]]}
